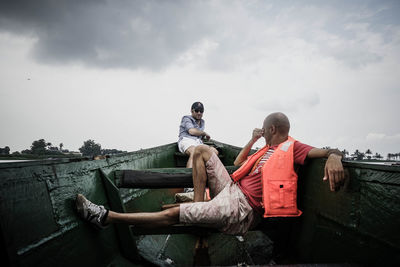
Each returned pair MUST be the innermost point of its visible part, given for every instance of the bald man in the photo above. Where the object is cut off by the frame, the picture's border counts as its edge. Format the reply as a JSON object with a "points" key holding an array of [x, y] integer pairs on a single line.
{"points": [[236, 203]]}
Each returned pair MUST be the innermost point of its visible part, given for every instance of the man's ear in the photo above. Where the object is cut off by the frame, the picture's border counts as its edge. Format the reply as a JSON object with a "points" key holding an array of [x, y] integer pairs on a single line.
{"points": [[272, 129]]}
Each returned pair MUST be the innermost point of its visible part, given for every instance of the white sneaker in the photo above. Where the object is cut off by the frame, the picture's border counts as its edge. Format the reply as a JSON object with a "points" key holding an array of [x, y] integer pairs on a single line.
{"points": [[95, 214]]}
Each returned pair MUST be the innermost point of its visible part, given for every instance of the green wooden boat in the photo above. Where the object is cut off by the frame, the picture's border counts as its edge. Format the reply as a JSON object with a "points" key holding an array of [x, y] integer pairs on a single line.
{"points": [[39, 227]]}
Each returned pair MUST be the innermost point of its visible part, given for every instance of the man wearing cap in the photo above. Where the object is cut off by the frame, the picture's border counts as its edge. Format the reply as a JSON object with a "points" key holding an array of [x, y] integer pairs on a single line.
{"points": [[191, 132]]}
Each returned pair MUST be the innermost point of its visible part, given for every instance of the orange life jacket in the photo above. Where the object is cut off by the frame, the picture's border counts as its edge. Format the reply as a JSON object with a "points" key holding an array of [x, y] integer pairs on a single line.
{"points": [[279, 180]]}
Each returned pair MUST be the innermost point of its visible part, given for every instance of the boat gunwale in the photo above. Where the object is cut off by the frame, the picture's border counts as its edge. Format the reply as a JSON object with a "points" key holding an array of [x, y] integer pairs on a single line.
{"points": [[370, 166], [55, 161]]}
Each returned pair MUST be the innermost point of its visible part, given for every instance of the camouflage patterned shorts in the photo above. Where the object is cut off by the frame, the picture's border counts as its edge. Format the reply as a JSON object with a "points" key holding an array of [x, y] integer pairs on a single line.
{"points": [[228, 209]]}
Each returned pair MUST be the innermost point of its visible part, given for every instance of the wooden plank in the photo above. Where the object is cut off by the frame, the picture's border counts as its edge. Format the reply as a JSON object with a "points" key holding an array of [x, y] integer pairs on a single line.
{"points": [[149, 179], [158, 178], [126, 241]]}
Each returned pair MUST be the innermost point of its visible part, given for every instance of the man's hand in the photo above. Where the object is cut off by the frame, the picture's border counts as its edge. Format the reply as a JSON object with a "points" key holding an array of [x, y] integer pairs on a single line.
{"points": [[257, 134], [334, 172], [206, 136]]}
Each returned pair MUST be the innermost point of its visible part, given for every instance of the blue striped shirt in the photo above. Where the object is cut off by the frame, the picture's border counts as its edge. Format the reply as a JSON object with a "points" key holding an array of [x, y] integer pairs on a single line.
{"points": [[188, 122]]}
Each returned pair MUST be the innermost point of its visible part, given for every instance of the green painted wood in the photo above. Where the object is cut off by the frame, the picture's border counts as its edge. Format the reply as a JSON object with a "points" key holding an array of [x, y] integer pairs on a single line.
{"points": [[127, 243], [39, 226], [38, 222], [360, 223]]}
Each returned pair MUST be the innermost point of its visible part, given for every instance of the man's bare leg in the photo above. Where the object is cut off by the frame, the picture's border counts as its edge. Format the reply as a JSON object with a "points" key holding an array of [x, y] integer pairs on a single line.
{"points": [[146, 219], [214, 150], [201, 155], [99, 216], [190, 152]]}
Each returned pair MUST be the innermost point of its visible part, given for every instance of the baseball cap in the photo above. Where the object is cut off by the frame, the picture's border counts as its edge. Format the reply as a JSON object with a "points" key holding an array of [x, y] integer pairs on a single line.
{"points": [[198, 106]]}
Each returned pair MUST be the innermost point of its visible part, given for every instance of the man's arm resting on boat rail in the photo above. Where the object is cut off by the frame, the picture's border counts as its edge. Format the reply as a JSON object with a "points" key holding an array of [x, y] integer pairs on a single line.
{"points": [[334, 171], [257, 134]]}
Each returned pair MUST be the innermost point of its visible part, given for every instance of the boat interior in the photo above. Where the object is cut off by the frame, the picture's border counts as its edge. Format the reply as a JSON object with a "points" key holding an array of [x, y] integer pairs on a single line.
{"points": [[40, 227]]}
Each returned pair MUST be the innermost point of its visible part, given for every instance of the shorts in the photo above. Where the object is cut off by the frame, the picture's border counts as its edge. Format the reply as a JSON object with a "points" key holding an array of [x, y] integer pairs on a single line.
{"points": [[187, 142], [228, 210]]}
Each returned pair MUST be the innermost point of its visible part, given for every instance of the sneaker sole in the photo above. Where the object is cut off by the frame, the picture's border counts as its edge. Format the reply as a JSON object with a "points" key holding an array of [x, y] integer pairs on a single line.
{"points": [[80, 199]]}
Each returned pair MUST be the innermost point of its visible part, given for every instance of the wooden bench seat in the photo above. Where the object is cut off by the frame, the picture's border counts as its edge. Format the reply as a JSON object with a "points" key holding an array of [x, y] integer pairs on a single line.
{"points": [[182, 158], [157, 178]]}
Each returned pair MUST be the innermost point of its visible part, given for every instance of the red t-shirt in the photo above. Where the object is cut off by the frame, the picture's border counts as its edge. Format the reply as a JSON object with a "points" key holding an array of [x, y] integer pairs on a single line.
{"points": [[251, 184]]}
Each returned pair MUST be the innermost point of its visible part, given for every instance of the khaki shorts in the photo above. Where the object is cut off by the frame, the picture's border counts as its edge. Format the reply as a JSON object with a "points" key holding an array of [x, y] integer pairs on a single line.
{"points": [[228, 209]]}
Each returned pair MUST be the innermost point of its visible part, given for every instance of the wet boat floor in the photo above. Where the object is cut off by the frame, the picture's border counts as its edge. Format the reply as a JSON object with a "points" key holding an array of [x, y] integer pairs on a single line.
{"points": [[255, 248]]}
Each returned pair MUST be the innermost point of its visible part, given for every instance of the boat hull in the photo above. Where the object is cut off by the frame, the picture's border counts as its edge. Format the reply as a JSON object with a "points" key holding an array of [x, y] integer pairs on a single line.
{"points": [[40, 227]]}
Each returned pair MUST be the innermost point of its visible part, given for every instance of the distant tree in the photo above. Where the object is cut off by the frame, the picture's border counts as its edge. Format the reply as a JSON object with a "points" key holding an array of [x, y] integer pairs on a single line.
{"points": [[90, 148], [355, 154], [26, 151], [111, 151], [5, 151], [368, 153], [393, 156], [345, 152], [378, 156], [38, 147], [358, 155], [52, 149]]}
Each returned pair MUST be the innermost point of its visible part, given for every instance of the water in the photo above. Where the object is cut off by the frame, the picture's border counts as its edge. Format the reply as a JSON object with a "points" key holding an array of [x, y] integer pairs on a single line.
{"points": [[385, 163], [14, 160]]}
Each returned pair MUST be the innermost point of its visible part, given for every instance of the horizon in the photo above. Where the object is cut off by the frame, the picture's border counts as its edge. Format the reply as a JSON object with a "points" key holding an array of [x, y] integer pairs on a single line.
{"points": [[350, 154]]}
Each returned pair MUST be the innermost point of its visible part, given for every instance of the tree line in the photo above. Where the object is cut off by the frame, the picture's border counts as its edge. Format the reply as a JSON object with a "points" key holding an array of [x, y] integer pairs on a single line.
{"points": [[91, 149], [368, 155], [42, 148]]}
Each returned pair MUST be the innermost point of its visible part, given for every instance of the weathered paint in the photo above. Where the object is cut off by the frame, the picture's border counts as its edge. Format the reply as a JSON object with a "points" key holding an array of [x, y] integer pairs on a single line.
{"points": [[358, 224], [38, 223]]}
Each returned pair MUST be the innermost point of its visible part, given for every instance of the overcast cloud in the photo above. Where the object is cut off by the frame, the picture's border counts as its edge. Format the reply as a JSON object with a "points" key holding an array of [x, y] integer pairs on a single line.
{"points": [[124, 72]]}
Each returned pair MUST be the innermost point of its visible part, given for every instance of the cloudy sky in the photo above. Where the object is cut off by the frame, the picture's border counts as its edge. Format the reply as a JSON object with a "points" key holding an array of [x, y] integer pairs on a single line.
{"points": [[124, 72]]}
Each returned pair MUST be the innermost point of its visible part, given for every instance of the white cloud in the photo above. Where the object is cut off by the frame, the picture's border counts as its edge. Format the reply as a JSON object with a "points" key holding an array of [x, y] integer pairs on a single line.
{"points": [[381, 137]]}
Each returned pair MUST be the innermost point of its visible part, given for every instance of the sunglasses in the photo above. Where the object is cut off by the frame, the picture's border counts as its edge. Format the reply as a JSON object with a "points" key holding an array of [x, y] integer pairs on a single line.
{"points": [[198, 110]]}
